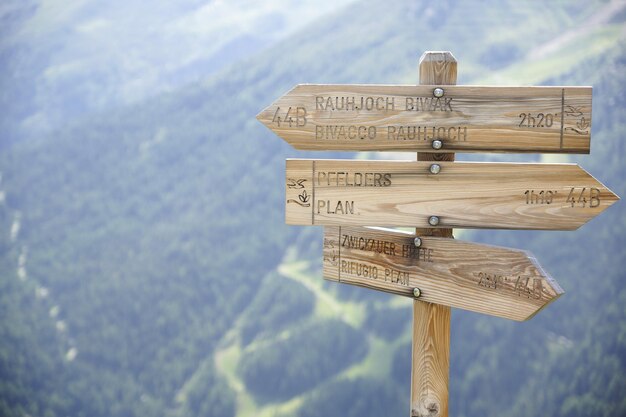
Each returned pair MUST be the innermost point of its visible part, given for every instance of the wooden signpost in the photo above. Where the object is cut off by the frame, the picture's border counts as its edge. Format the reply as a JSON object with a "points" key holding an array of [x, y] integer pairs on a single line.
{"points": [[406, 193], [436, 194]]}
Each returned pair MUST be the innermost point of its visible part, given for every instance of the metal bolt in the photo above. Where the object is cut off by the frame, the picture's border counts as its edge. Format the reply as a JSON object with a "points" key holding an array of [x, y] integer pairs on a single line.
{"points": [[437, 144], [433, 220], [418, 242], [417, 292], [435, 168], [438, 92]]}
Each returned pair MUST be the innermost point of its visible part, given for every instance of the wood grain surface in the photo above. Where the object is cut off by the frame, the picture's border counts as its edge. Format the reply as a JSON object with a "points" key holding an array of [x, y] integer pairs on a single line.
{"points": [[410, 117], [430, 356], [462, 194], [492, 280]]}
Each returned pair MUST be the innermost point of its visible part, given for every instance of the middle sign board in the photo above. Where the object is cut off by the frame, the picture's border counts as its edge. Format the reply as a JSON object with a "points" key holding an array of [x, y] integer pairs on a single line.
{"points": [[460, 194]]}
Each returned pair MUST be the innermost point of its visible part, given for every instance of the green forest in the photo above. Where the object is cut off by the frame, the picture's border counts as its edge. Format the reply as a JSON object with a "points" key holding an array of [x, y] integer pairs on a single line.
{"points": [[145, 267]]}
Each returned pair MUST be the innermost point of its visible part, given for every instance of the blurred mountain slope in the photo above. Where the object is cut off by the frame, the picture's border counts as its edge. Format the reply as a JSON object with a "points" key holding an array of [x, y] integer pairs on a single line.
{"points": [[61, 60], [151, 228]]}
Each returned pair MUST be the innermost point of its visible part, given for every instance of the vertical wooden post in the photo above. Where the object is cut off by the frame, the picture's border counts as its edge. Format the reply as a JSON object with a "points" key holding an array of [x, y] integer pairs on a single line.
{"points": [[431, 322]]}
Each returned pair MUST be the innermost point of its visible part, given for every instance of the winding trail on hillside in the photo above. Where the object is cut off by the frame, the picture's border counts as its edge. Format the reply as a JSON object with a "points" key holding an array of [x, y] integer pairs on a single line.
{"points": [[601, 17], [229, 350], [41, 293], [297, 271]]}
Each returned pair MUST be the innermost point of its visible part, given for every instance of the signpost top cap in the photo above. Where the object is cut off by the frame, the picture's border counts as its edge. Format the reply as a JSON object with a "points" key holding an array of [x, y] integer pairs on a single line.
{"points": [[437, 67], [437, 56]]}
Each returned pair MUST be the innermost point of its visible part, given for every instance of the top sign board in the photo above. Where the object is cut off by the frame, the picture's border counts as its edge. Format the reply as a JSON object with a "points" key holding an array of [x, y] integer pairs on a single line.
{"points": [[410, 117]]}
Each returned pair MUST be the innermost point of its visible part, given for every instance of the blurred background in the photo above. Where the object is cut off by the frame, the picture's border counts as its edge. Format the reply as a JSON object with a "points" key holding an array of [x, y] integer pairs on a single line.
{"points": [[145, 268]]}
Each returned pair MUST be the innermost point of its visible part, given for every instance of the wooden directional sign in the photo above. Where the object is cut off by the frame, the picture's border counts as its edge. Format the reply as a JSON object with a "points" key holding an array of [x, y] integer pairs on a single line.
{"points": [[492, 280], [410, 117], [462, 194]]}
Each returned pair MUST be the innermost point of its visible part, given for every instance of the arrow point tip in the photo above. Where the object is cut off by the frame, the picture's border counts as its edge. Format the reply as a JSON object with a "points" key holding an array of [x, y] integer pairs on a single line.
{"points": [[614, 199]]}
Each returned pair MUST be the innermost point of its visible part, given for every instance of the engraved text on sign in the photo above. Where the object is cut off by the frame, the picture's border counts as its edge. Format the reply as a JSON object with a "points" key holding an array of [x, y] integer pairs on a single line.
{"points": [[466, 118]]}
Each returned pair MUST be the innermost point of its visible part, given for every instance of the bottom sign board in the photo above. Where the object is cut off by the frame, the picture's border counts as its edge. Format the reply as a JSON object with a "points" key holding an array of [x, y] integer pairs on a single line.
{"points": [[492, 280]]}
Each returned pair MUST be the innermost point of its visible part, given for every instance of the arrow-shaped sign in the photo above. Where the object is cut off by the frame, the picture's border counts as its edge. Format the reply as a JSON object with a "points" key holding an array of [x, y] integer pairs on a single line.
{"points": [[444, 194], [409, 117], [492, 280]]}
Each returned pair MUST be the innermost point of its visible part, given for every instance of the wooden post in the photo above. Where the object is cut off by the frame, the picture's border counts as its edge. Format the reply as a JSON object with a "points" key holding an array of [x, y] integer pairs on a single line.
{"points": [[431, 322]]}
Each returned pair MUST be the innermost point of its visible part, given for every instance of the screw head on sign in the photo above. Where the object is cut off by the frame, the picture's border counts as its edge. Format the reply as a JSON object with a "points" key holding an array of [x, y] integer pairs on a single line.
{"points": [[418, 242], [438, 92], [433, 220], [435, 169], [417, 292], [437, 144]]}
